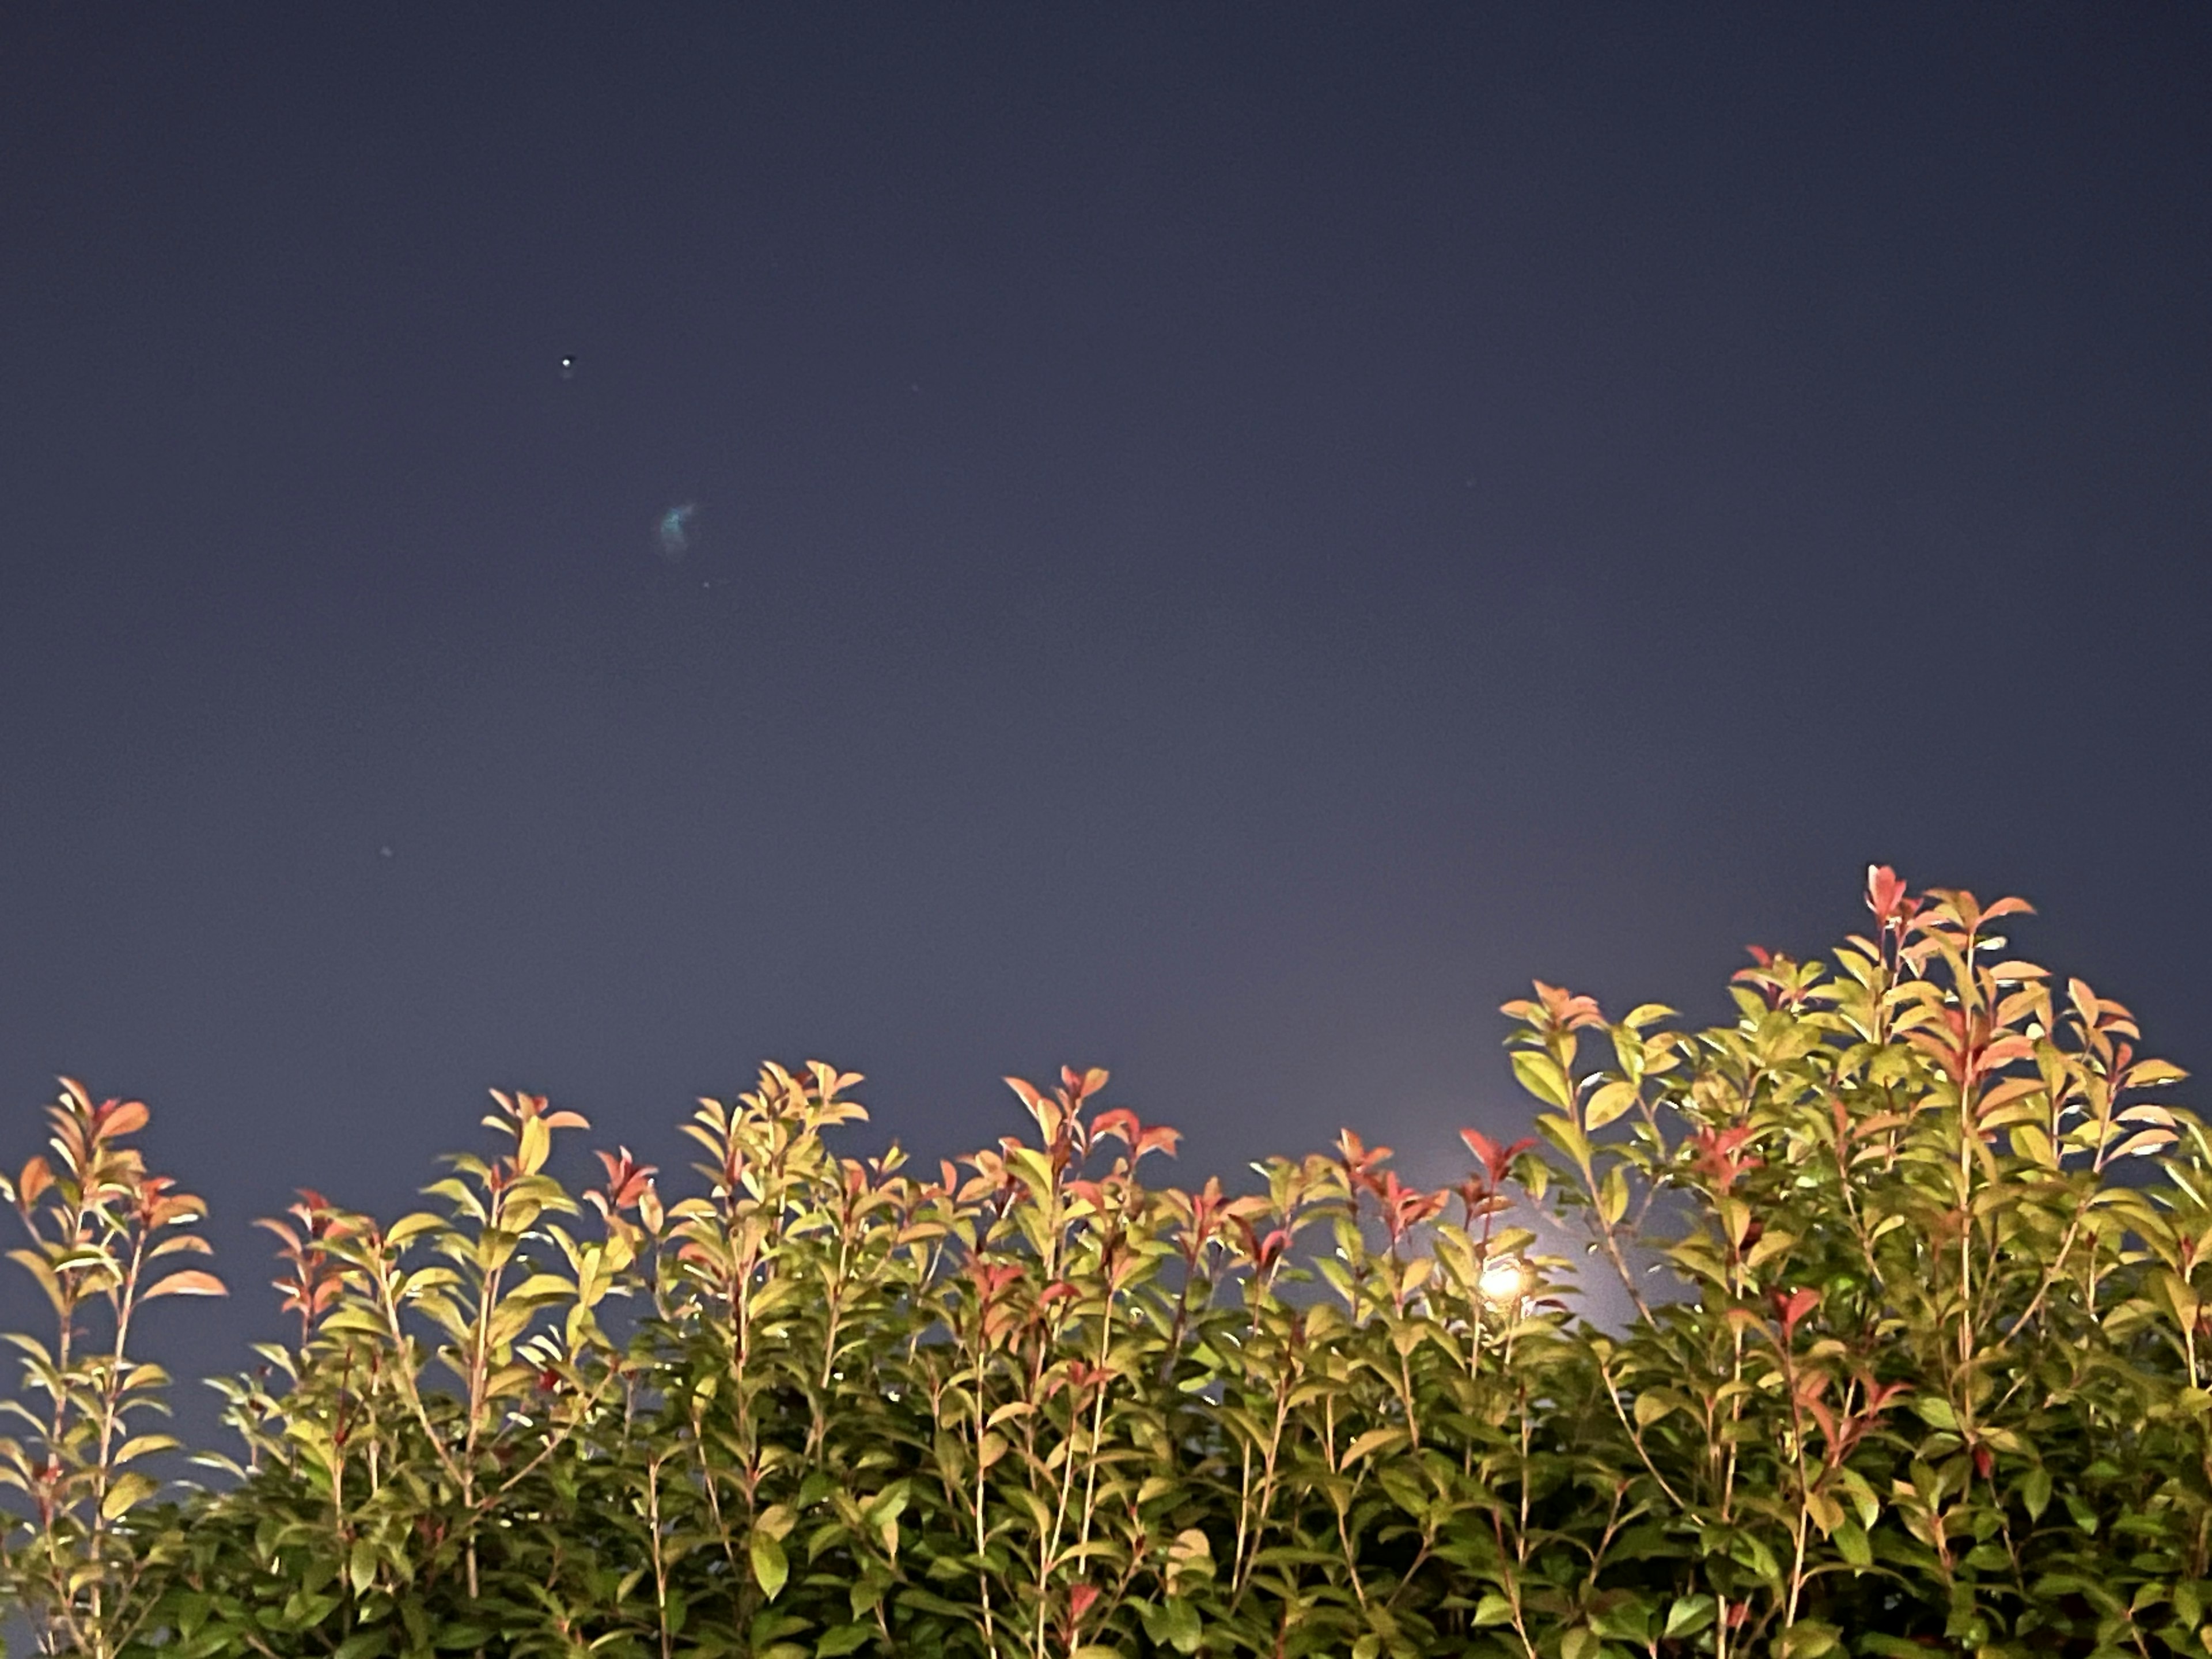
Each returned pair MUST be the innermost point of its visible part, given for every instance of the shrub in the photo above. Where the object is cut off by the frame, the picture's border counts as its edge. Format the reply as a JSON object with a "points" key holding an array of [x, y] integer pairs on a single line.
{"points": [[1908, 1366]]}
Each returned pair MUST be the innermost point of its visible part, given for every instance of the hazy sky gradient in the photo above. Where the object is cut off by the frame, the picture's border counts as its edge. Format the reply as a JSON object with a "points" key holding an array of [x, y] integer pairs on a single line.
{"points": [[1226, 539]]}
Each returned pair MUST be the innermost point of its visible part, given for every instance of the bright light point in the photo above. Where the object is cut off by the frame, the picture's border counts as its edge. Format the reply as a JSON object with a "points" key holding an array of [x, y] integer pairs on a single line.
{"points": [[1504, 1281]]}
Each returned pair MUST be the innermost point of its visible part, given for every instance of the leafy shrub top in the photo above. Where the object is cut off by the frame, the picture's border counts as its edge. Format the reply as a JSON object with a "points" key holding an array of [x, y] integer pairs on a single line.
{"points": [[1910, 1368]]}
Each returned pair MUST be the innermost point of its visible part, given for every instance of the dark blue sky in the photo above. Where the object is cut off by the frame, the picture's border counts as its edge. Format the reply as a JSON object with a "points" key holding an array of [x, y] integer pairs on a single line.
{"points": [[1227, 539]]}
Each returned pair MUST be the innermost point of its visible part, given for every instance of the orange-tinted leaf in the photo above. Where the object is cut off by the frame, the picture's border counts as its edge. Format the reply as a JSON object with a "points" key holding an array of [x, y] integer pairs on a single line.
{"points": [[2005, 1093], [2144, 1142], [38, 1175], [190, 1282]]}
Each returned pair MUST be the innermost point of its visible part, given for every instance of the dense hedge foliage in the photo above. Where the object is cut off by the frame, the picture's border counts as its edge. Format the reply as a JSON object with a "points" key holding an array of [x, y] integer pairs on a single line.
{"points": [[1907, 1366]]}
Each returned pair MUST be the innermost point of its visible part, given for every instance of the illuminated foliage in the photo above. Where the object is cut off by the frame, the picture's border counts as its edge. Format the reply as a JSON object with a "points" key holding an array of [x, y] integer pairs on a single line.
{"points": [[1913, 1360]]}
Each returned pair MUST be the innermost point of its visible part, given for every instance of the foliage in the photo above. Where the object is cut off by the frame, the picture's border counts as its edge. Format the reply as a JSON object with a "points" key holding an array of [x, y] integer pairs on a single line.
{"points": [[1910, 1367]]}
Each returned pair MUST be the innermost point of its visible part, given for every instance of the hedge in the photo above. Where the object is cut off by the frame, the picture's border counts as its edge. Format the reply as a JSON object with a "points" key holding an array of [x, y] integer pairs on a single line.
{"points": [[1910, 1359]]}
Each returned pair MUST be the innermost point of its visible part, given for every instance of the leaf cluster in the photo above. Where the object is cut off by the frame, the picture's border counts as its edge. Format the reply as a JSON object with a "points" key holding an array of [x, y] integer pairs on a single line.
{"points": [[1914, 1361]]}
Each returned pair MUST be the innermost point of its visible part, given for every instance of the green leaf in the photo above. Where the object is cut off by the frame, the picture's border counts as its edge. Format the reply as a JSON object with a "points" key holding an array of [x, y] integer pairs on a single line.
{"points": [[543, 1287], [845, 1638], [922, 1601], [1689, 1615], [1613, 1195], [1493, 1609], [2188, 1601], [1935, 1412], [141, 1445], [422, 1221], [360, 1566], [1851, 1542], [128, 1490], [770, 1568], [1612, 1100], [776, 1521], [1173, 1623], [1770, 1244], [1810, 1640], [1373, 1441], [1563, 1134], [1625, 1620], [1655, 1404], [1540, 1076]]}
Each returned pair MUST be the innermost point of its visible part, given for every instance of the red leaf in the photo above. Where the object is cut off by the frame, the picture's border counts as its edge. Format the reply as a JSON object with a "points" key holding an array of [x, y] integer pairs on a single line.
{"points": [[1885, 893], [1121, 1124], [1794, 1308]]}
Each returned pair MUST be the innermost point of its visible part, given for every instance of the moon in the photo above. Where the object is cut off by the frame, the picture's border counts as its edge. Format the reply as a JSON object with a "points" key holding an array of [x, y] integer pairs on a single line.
{"points": [[676, 531]]}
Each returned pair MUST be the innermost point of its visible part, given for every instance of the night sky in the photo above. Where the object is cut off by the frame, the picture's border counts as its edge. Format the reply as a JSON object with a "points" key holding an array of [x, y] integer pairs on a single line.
{"points": [[1222, 541]]}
